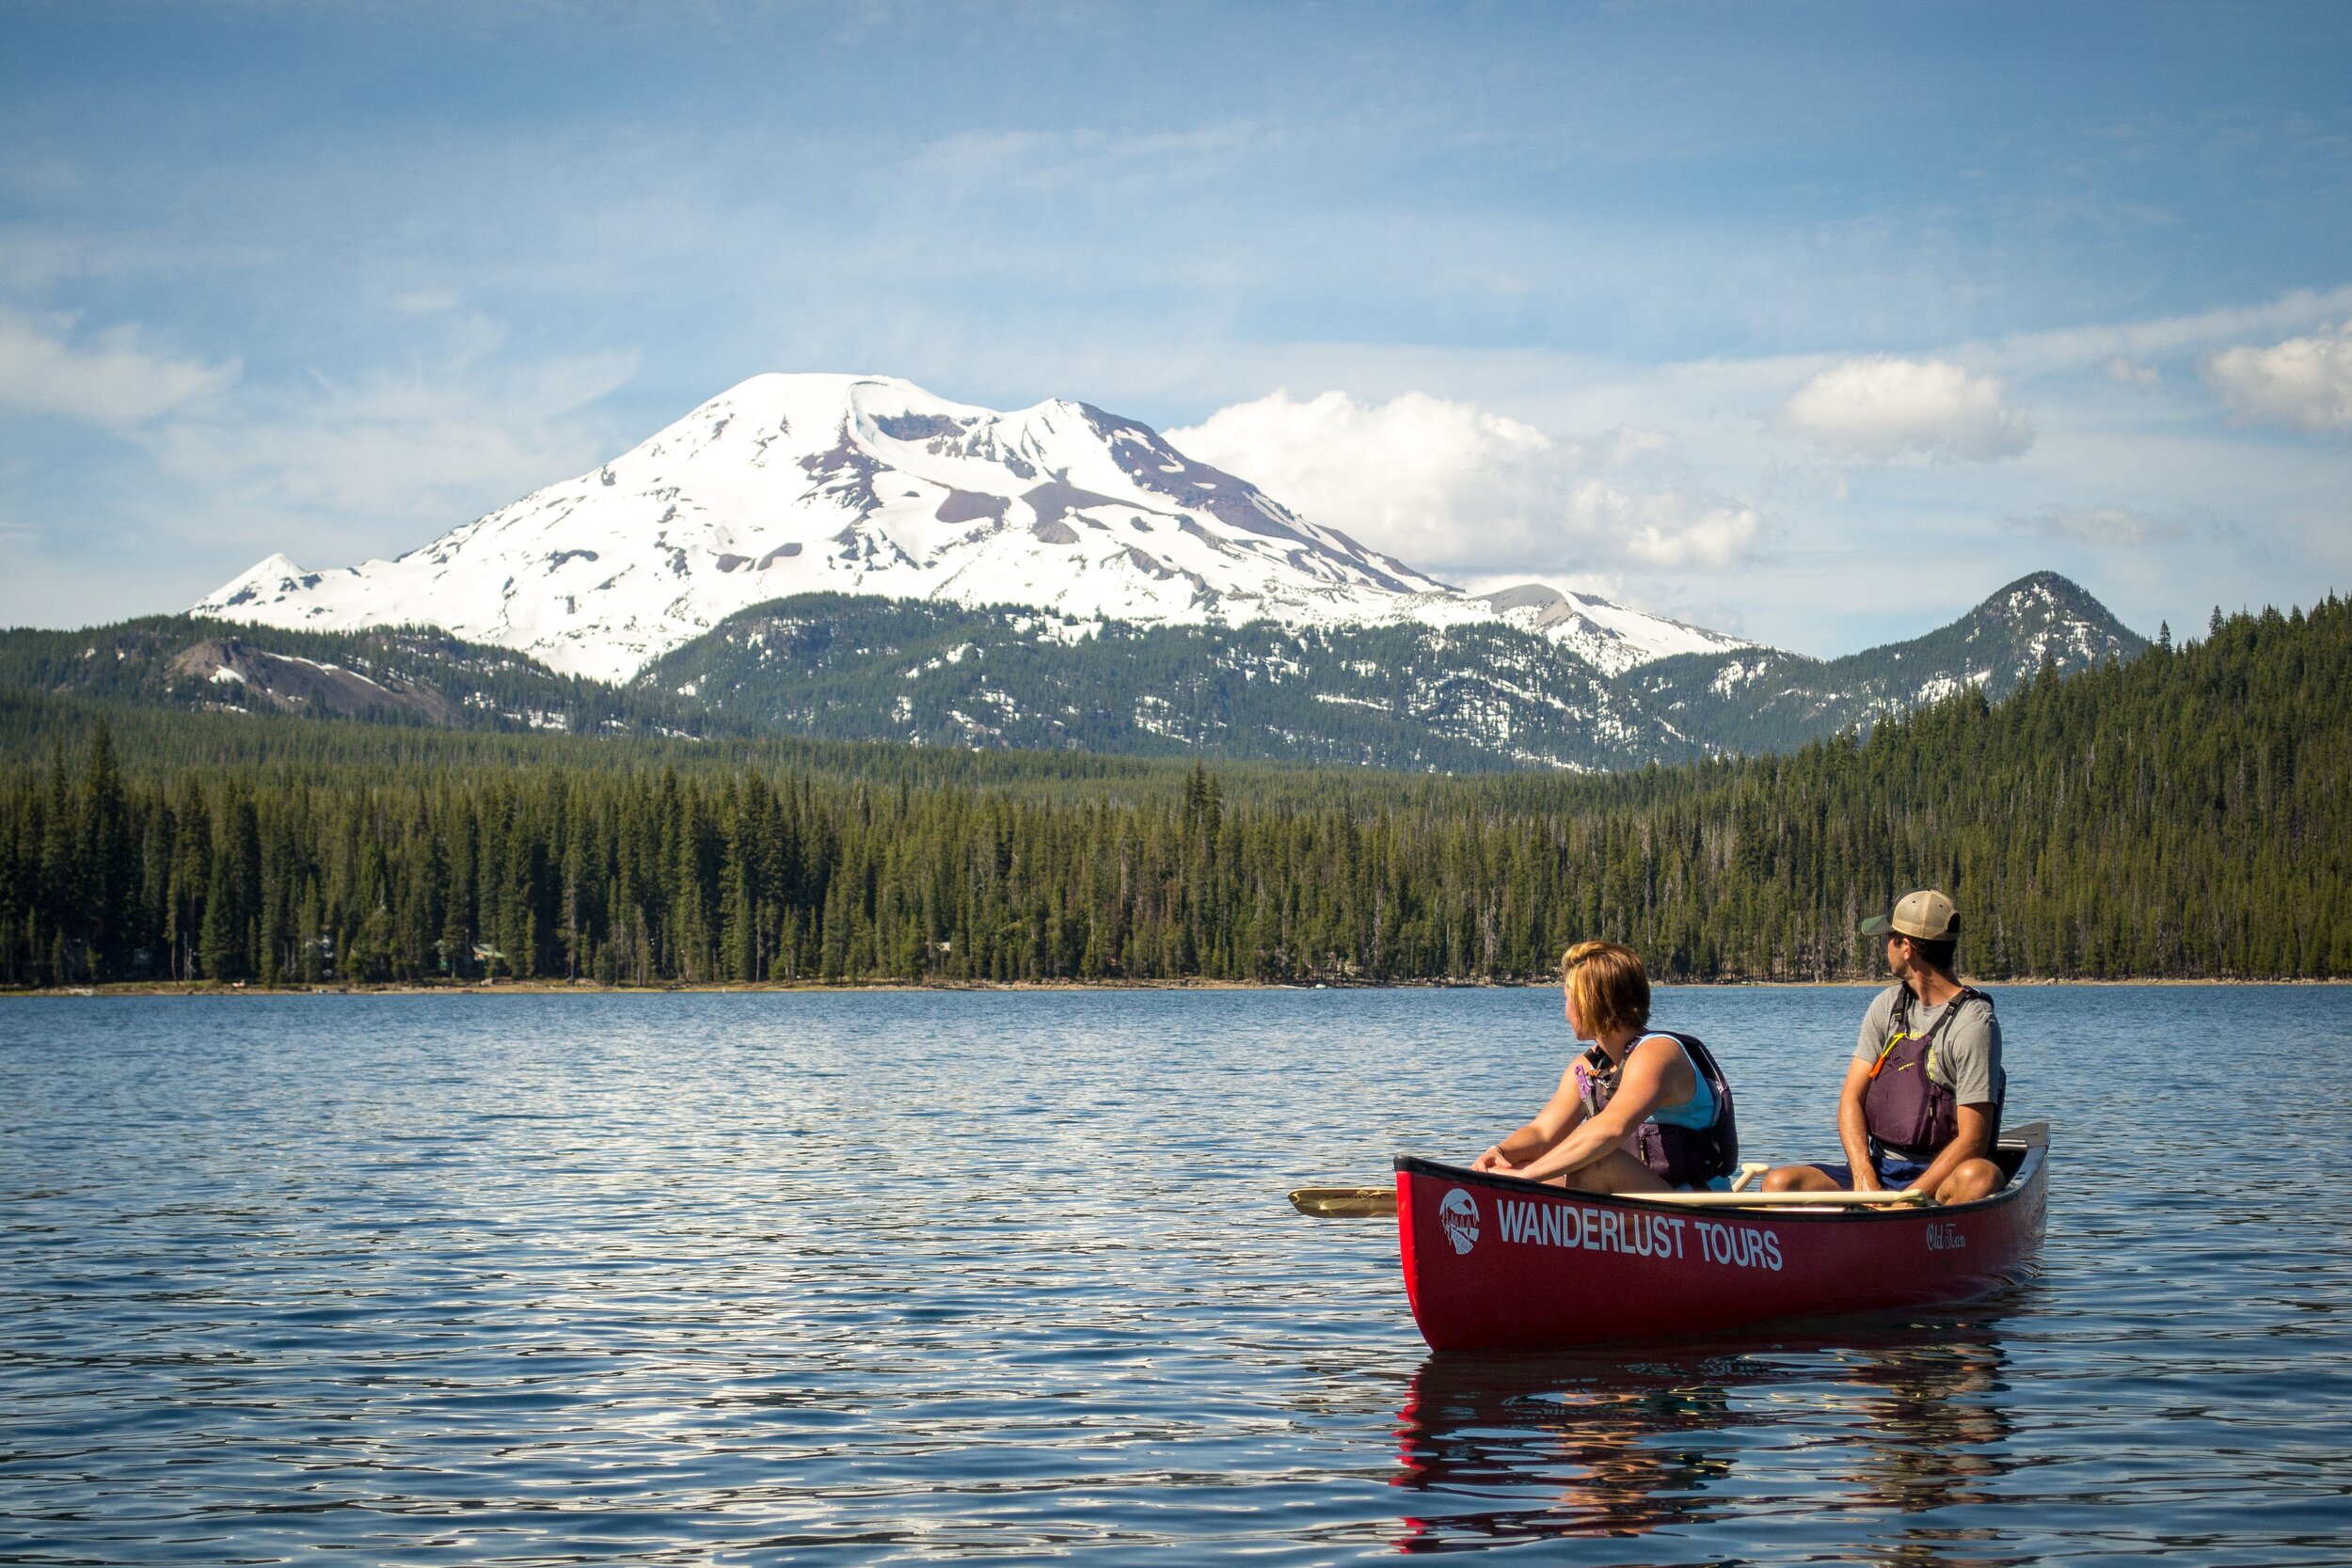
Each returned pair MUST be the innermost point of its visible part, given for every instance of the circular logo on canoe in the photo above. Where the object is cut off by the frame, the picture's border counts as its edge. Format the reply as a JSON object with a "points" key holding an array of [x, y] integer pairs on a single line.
{"points": [[1459, 1212]]}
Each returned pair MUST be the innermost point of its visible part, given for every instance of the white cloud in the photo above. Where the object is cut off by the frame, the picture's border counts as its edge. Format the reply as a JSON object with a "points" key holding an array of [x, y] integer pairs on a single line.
{"points": [[1410, 472], [2304, 382], [1881, 408], [110, 378], [2131, 374], [2100, 525], [1450, 487]]}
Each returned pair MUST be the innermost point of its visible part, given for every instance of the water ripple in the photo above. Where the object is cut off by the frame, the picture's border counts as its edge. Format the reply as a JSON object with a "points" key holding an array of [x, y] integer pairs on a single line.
{"points": [[878, 1278]]}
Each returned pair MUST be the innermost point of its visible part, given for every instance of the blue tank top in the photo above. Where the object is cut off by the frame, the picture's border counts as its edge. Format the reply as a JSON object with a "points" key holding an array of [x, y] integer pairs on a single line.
{"points": [[1696, 1113]]}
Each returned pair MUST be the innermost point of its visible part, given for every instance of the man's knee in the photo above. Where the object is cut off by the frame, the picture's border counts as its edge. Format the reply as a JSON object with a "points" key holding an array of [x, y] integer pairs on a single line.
{"points": [[1798, 1178], [1973, 1179]]}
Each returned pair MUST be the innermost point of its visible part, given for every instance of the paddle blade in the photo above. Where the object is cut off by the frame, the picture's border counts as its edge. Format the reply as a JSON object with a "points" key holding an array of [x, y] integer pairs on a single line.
{"points": [[1347, 1203]]}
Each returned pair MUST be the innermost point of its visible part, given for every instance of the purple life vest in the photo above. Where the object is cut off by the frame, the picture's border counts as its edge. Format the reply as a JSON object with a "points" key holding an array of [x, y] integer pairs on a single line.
{"points": [[1679, 1156], [1909, 1114]]}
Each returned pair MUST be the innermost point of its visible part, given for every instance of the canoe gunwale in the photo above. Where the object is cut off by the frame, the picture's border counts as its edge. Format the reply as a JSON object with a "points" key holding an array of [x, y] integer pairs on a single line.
{"points": [[2031, 1142]]}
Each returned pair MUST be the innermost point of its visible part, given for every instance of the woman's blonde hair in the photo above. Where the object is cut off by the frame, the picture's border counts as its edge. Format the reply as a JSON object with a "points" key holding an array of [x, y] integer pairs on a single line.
{"points": [[1610, 987]]}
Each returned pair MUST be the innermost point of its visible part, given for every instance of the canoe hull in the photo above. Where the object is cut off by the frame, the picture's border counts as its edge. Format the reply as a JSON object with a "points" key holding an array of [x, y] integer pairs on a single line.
{"points": [[1493, 1263]]}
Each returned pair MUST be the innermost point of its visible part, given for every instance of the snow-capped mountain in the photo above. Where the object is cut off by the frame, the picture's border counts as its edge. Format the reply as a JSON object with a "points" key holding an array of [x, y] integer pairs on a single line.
{"points": [[869, 486]]}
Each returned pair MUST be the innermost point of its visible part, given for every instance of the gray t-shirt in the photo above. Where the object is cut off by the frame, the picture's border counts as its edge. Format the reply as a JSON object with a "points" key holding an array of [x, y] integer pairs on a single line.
{"points": [[1966, 1057]]}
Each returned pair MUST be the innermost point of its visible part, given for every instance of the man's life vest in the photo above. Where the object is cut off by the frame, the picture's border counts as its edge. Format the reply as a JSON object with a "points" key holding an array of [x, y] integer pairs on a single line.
{"points": [[1909, 1114], [1679, 1156]]}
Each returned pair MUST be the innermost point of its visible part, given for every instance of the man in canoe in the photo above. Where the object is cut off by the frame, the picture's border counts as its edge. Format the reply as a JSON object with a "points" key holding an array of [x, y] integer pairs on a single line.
{"points": [[1644, 1111], [1922, 1101]]}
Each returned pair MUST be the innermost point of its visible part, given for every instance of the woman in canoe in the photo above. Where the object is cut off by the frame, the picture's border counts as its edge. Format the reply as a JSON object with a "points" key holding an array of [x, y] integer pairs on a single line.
{"points": [[1644, 1111]]}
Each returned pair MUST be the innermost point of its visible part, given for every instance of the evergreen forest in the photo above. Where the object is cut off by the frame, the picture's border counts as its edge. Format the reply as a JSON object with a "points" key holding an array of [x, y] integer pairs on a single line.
{"points": [[2183, 813]]}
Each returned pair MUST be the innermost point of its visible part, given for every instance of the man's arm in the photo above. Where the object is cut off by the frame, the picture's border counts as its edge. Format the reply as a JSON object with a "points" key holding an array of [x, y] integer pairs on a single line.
{"points": [[1970, 1055], [1853, 1130]]}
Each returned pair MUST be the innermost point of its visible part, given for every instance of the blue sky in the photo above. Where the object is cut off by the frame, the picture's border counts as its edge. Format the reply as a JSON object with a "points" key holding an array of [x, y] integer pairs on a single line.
{"points": [[1814, 323]]}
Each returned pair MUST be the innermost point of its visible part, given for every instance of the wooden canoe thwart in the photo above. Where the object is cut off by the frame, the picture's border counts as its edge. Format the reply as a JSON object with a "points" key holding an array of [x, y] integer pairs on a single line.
{"points": [[1492, 1262], [1355, 1203]]}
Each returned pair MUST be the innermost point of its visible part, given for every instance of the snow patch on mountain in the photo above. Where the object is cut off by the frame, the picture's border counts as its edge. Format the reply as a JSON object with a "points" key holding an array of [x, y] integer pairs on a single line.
{"points": [[1607, 636], [791, 484]]}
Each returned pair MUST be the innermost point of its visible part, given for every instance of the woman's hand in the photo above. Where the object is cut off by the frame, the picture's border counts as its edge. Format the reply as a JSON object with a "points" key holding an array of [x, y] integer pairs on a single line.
{"points": [[1492, 1160]]}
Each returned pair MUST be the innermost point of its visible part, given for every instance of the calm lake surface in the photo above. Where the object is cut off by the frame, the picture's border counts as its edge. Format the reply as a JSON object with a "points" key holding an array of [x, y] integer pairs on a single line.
{"points": [[894, 1278]]}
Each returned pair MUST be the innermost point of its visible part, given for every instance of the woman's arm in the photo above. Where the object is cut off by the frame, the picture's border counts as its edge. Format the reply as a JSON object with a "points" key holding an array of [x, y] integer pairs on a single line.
{"points": [[1561, 1112], [1645, 1082]]}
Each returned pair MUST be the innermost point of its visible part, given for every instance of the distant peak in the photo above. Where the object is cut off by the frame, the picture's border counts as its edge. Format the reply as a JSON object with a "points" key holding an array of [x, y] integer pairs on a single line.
{"points": [[2062, 595], [2051, 586]]}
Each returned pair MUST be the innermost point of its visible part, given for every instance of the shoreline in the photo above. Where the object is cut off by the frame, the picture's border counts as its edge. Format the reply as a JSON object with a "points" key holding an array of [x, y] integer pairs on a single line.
{"points": [[590, 988]]}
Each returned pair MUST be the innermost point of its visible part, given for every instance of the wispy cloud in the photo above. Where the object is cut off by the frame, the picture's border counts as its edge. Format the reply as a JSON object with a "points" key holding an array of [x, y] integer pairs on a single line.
{"points": [[2158, 337], [416, 450], [2100, 525], [109, 377], [1014, 159]]}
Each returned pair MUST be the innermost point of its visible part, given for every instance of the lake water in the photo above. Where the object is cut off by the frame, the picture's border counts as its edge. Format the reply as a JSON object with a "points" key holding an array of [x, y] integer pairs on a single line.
{"points": [[898, 1277]]}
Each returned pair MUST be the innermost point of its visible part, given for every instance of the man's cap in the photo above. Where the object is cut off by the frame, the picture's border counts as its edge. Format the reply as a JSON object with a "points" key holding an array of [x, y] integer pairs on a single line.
{"points": [[1926, 914]]}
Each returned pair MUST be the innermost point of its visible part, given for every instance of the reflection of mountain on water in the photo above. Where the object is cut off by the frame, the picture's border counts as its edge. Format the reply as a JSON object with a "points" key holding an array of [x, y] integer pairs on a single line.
{"points": [[1612, 1442]]}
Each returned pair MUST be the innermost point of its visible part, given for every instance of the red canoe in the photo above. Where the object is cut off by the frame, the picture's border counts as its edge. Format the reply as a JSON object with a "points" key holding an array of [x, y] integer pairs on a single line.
{"points": [[1495, 1264]]}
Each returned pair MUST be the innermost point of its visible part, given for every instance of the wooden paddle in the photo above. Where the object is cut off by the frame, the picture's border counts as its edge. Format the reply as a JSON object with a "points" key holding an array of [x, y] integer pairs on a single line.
{"points": [[1345, 1203], [1369, 1203]]}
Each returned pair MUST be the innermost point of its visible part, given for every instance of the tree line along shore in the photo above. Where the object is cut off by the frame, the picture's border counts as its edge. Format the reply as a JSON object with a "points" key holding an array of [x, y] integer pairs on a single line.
{"points": [[2184, 815]]}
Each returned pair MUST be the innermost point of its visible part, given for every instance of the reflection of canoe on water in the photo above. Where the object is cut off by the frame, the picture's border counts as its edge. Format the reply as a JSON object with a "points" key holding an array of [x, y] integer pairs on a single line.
{"points": [[1897, 1414], [1493, 1263]]}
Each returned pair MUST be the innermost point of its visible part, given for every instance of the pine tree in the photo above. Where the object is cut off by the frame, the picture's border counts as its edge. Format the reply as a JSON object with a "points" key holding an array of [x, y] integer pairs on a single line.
{"points": [[108, 864]]}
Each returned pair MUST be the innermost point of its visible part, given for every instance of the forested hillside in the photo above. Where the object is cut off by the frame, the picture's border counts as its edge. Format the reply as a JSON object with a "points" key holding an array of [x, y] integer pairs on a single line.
{"points": [[1461, 699], [2184, 814], [411, 675], [1481, 695]]}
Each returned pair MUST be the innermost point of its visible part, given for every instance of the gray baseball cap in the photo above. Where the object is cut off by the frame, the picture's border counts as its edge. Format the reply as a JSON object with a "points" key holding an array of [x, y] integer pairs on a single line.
{"points": [[1926, 914]]}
